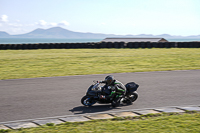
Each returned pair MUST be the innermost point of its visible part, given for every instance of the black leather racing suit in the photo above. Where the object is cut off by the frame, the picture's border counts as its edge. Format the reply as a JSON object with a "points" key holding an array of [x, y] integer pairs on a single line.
{"points": [[117, 88]]}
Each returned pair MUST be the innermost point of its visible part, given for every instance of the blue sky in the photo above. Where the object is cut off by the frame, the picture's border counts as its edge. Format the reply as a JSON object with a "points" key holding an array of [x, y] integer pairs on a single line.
{"points": [[122, 17]]}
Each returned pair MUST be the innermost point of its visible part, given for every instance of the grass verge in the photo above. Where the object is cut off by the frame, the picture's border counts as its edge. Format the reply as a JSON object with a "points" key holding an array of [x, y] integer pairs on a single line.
{"points": [[15, 64], [151, 123]]}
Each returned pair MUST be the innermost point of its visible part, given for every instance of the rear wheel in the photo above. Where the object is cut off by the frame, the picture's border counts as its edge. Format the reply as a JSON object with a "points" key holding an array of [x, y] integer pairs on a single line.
{"points": [[86, 101], [133, 96]]}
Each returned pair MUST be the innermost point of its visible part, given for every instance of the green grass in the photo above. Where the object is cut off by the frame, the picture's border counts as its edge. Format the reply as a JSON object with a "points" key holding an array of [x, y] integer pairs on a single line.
{"points": [[162, 123], [15, 64]]}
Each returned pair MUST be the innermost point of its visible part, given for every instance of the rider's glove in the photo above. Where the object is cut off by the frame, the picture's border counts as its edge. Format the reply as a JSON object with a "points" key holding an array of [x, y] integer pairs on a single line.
{"points": [[101, 82], [102, 97]]}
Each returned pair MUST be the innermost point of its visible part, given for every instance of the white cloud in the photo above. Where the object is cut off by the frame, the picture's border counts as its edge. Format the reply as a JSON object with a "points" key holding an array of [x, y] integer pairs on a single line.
{"points": [[15, 25], [30, 25], [63, 23], [41, 23], [53, 24], [4, 18], [44, 23], [17, 30], [19, 27]]}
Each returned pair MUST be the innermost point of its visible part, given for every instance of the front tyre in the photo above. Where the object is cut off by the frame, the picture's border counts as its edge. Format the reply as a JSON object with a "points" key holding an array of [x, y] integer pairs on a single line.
{"points": [[86, 101]]}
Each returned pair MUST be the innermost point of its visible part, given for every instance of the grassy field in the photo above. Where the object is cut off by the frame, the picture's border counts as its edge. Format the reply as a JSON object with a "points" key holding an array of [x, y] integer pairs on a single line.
{"points": [[15, 64], [162, 123]]}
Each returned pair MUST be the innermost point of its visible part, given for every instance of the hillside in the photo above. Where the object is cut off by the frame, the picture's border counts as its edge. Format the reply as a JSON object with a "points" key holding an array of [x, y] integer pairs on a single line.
{"points": [[58, 32]]}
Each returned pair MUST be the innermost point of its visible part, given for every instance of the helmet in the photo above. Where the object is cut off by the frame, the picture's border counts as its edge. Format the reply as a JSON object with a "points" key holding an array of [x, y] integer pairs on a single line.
{"points": [[109, 79]]}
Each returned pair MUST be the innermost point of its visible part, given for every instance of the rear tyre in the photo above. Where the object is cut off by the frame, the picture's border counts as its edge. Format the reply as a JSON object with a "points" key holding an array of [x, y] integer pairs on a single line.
{"points": [[86, 101], [133, 96]]}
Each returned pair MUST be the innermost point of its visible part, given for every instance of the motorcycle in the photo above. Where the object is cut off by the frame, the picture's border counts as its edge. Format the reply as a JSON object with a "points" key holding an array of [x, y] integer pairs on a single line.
{"points": [[96, 90]]}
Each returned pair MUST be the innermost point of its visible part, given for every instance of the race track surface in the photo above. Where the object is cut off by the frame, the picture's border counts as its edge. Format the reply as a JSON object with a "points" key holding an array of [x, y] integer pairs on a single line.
{"points": [[57, 96]]}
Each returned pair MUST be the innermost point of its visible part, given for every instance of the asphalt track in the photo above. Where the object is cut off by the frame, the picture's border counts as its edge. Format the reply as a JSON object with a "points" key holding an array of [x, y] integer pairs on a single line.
{"points": [[58, 96]]}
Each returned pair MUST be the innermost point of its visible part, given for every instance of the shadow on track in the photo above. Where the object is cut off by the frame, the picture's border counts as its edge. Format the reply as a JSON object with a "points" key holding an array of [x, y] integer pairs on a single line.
{"points": [[94, 109]]}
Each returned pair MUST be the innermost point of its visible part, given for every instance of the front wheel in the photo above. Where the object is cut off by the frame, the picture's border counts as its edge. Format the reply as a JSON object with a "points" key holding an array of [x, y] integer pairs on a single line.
{"points": [[86, 101]]}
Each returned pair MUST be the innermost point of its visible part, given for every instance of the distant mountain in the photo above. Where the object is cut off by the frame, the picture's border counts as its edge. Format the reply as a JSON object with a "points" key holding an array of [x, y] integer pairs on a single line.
{"points": [[58, 32], [4, 34]]}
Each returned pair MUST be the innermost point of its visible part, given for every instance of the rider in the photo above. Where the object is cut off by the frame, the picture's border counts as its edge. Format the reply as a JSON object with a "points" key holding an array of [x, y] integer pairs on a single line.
{"points": [[118, 90]]}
